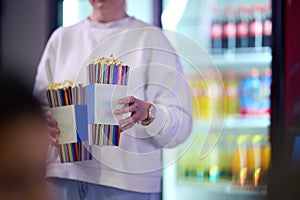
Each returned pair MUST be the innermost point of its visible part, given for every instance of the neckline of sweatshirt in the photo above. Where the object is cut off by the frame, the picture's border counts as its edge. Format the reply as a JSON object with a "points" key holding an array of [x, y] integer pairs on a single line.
{"points": [[108, 25]]}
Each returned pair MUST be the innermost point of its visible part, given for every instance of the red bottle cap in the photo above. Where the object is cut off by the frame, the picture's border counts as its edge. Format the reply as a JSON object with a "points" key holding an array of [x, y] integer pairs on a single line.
{"points": [[216, 10], [229, 9], [254, 72], [269, 6], [257, 7], [244, 9]]}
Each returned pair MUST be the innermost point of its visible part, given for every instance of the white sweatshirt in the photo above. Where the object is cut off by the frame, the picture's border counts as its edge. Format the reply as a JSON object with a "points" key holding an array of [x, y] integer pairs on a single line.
{"points": [[155, 76]]}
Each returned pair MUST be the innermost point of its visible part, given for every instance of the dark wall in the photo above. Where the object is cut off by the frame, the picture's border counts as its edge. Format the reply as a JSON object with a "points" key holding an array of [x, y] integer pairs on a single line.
{"points": [[1, 2], [25, 28], [284, 177]]}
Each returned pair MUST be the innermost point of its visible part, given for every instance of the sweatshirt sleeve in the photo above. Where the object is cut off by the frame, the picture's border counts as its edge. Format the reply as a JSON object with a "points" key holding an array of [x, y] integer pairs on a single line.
{"points": [[45, 72], [168, 90]]}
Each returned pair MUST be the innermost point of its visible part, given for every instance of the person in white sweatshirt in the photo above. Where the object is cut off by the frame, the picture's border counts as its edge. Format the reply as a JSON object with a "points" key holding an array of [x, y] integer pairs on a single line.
{"points": [[158, 98]]}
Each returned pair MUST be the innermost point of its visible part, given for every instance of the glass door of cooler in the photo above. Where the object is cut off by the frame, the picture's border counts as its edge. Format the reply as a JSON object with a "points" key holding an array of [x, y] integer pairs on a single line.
{"points": [[225, 50]]}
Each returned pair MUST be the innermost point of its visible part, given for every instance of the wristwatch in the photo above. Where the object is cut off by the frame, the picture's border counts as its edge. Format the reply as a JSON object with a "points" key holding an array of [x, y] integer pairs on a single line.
{"points": [[151, 115]]}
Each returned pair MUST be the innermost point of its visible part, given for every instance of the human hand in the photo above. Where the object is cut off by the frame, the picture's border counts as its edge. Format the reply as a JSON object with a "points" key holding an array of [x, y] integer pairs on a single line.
{"points": [[53, 130], [138, 109]]}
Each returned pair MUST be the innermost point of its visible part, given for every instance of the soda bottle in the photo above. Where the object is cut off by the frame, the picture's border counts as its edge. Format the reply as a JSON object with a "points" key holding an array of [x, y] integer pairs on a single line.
{"points": [[242, 27], [216, 31], [181, 166], [186, 163], [255, 159], [231, 87], [193, 82], [266, 91], [255, 27], [227, 144], [240, 161], [202, 162], [265, 160], [250, 94], [214, 158], [267, 25], [216, 93], [229, 29], [204, 100]]}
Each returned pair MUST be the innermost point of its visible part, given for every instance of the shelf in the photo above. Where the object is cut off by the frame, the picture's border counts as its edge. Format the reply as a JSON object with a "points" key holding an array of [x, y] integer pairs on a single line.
{"points": [[243, 59], [246, 122], [237, 60], [175, 188], [192, 189], [233, 122], [224, 187]]}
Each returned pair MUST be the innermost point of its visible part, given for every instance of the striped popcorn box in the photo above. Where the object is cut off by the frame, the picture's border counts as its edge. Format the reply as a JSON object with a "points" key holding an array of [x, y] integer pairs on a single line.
{"points": [[107, 71], [74, 152], [73, 138], [103, 123], [104, 134], [102, 99], [107, 83], [68, 107]]}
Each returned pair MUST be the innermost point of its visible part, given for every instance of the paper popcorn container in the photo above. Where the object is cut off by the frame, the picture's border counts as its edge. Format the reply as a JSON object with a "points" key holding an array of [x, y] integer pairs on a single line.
{"points": [[73, 139], [104, 134], [102, 99], [75, 152]]}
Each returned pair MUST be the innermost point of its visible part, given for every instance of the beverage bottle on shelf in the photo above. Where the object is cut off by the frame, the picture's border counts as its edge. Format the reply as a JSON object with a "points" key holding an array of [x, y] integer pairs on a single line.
{"points": [[216, 31], [240, 161], [187, 164], [214, 158], [190, 164], [255, 159], [226, 147], [231, 87], [181, 167], [193, 81], [182, 164], [250, 94], [255, 27], [204, 99], [216, 92], [202, 162], [242, 27], [193, 161], [229, 29], [265, 160], [266, 80], [267, 26]]}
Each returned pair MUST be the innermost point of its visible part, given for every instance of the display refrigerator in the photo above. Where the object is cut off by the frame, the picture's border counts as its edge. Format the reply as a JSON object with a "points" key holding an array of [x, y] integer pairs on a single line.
{"points": [[225, 48]]}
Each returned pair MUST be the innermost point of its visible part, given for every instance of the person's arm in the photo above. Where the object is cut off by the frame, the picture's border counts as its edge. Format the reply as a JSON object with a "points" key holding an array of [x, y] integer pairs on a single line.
{"points": [[43, 79], [169, 92], [44, 75]]}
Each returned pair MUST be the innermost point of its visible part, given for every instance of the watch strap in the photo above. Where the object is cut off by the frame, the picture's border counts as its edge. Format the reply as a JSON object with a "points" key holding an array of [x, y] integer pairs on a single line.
{"points": [[149, 119]]}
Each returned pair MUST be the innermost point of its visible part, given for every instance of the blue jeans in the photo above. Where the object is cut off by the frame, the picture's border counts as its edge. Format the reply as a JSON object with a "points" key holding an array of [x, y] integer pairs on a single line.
{"points": [[65, 189]]}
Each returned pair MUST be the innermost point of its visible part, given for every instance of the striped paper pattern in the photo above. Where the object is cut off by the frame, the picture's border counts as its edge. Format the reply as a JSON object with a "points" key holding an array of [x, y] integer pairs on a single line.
{"points": [[103, 73], [103, 134], [106, 71], [73, 152], [66, 96]]}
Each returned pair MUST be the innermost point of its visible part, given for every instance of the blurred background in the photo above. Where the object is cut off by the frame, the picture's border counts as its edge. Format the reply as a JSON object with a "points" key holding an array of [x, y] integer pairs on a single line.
{"points": [[245, 97]]}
